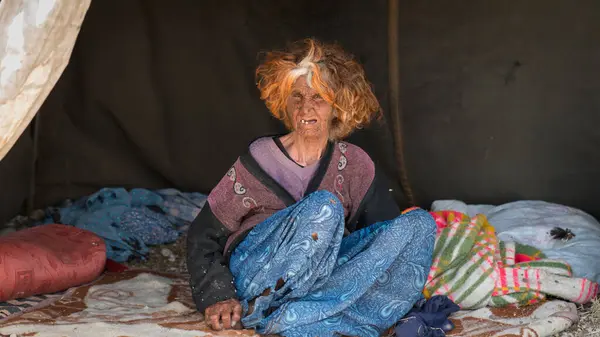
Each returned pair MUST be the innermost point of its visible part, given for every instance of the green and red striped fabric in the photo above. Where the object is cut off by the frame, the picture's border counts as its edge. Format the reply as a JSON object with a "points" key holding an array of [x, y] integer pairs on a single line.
{"points": [[475, 270]]}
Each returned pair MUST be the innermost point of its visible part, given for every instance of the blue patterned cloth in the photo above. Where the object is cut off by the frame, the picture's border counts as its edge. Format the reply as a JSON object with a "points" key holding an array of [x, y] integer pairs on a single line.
{"points": [[181, 207], [129, 221], [305, 279]]}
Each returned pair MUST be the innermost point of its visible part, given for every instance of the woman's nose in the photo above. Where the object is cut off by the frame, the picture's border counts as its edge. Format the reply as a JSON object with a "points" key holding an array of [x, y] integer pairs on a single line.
{"points": [[306, 106]]}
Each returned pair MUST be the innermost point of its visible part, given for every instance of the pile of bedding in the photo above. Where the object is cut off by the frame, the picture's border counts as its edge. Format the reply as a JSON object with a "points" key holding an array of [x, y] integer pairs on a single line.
{"points": [[560, 232], [128, 221], [475, 269], [501, 288]]}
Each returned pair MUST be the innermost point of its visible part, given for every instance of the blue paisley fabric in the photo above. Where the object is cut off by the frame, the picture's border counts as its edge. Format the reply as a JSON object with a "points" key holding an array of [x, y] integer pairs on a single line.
{"points": [[300, 276]]}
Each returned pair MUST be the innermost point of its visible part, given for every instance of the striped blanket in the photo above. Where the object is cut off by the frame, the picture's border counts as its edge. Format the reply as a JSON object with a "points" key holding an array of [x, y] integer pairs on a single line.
{"points": [[475, 270]]}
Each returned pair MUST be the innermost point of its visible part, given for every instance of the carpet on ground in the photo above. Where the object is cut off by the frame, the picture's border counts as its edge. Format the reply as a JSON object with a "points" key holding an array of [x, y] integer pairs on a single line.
{"points": [[540, 320], [147, 304], [131, 303]]}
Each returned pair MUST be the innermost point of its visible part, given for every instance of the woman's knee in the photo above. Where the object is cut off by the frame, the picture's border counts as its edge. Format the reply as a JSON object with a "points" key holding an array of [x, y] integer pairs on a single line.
{"points": [[322, 195], [428, 223], [421, 221], [326, 198]]}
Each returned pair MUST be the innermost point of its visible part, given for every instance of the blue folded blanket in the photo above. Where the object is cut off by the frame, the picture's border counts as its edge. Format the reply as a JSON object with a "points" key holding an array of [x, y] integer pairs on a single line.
{"points": [[129, 221]]}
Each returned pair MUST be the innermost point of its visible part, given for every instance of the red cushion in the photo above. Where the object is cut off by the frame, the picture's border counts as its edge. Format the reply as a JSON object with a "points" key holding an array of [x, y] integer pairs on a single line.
{"points": [[49, 258]]}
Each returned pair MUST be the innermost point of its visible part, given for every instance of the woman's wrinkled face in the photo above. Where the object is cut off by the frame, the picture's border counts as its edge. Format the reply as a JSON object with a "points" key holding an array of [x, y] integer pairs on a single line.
{"points": [[310, 114]]}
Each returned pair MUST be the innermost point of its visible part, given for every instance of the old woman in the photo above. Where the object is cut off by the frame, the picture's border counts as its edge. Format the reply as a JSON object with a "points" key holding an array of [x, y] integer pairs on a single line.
{"points": [[302, 237]]}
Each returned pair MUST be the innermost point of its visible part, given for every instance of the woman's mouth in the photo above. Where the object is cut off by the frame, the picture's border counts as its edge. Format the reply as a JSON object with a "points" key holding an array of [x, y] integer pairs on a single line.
{"points": [[308, 121]]}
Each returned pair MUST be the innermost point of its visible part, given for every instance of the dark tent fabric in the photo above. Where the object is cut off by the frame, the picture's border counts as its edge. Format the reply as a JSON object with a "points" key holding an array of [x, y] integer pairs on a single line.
{"points": [[15, 177], [499, 98]]}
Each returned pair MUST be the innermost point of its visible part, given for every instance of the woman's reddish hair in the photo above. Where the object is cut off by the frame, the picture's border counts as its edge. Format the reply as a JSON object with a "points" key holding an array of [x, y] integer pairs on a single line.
{"points": [[330, 71]]}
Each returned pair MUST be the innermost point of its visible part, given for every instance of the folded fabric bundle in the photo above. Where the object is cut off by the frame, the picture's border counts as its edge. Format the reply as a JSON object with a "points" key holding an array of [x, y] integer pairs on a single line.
{"points": [[531, 222], [428, 318], [181, 208], [474, 269], [130, 221]]}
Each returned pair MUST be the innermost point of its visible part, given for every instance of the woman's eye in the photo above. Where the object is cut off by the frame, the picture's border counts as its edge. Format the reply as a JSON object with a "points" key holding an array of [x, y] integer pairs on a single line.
{"points": [[317, 97]]}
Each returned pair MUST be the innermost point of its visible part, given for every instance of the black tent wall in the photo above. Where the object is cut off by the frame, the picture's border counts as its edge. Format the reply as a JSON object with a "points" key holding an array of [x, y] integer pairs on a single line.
{"points": [[499, 97]]}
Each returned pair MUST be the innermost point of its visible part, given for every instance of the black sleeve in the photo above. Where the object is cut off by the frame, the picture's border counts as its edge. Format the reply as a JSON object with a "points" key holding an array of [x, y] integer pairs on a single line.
{"points": [[210, 277], [377, 205]]}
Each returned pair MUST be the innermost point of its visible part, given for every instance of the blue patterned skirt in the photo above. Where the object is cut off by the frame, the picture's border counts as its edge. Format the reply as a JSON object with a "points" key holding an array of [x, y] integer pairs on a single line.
{"points": [[297, 275]]}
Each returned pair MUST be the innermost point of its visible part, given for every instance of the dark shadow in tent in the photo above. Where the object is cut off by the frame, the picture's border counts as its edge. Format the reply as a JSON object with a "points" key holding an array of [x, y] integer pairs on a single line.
{"points": [[499, 98]]}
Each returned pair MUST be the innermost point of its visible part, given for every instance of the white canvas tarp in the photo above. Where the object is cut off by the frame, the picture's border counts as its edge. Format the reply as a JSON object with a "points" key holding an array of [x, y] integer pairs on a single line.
{"points": [[36, 41]]}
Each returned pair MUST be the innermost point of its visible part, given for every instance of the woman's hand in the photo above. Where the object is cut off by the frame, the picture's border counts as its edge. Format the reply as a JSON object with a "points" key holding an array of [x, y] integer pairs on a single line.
{"points": [[224, 315]]}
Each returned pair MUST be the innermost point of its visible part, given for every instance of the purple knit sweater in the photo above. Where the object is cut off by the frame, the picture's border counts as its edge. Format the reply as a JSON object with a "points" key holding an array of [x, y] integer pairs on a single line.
{"points": [[240, 200], [291, 176]]}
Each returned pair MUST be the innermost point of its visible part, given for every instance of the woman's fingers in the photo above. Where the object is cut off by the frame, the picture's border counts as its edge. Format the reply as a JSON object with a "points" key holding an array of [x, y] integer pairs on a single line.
{"points": [[226, 316], [214, 321], [237, 315]]}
